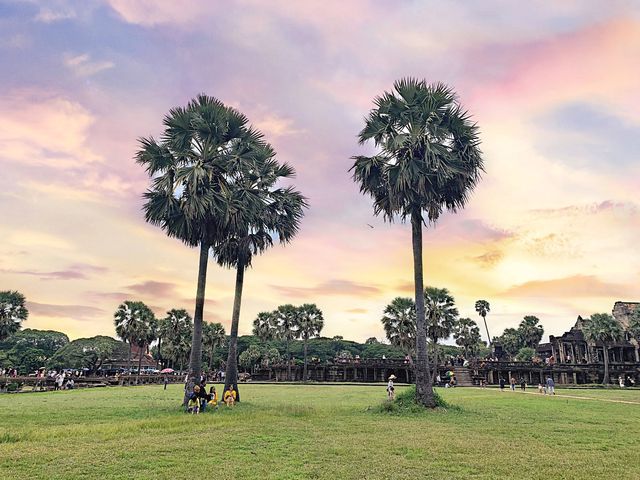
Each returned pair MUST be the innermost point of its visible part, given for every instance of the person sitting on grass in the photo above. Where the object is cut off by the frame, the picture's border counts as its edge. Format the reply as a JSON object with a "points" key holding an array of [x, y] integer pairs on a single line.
{"points": [[229, 397], [213, 397], [193, 406], [202, 394]]}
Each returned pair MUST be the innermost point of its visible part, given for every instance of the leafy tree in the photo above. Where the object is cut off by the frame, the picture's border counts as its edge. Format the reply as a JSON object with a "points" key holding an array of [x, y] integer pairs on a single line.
{"points": [[399, 323], [310, 324], [530, 331], [483, 307], [213, 337], [190, 170], [286, 329], [525, 354], [603, 328], [634, 325], [250, 357], [85, 353], [467, 334], [12, 313], [47, 341], [511, 341], [271, 358], [371, 341], [428, 161]]}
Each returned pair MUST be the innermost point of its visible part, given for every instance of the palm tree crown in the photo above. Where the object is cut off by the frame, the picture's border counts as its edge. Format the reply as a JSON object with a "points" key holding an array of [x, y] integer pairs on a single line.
{"points": [[441, 313], [399, 323]]}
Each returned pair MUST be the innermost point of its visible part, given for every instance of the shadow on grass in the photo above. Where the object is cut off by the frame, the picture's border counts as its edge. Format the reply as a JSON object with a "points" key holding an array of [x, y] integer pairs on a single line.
{"points": [[406, 404]]}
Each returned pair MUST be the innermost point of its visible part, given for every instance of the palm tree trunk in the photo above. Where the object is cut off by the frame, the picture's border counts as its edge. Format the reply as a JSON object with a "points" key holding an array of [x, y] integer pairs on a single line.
{"points": [[139, 364], [159, 353], [231, 377], [288, 361], [605, 380], [195, 360], [424, 385], [484, 318], [304, 371]]}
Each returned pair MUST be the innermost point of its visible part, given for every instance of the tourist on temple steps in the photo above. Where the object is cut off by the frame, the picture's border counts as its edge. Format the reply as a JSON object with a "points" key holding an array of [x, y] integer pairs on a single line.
{"points": [[551, 386]]}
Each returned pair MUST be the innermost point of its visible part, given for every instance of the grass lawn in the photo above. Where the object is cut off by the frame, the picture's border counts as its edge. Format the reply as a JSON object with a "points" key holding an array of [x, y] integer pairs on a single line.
{"points": [[307, 432]]}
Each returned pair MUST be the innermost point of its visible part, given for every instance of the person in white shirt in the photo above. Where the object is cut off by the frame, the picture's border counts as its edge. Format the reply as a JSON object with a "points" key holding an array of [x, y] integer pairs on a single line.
{"points": [[390, 388]]}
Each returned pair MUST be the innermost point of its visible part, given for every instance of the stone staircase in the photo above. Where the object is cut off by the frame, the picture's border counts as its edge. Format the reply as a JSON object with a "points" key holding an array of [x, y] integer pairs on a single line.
{"points": [[463, 377]]}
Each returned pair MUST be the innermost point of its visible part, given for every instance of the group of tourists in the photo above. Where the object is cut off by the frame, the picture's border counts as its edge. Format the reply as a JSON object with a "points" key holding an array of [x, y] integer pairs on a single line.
{"points": [[199, 400], [548, 387]]}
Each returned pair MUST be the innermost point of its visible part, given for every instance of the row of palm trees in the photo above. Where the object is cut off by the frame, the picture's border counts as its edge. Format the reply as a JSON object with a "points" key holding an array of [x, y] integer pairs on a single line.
{"points": [[287, 323], [442, 321], [215, 185], [137, 325]]}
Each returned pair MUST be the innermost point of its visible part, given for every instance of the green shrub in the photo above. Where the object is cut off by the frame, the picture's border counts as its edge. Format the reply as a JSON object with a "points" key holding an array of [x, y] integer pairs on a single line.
{"points": [[405, 402]]}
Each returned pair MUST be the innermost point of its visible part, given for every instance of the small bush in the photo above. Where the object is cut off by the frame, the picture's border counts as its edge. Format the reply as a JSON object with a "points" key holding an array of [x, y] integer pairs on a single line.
{"points": [[13, 387], [405, 402]]}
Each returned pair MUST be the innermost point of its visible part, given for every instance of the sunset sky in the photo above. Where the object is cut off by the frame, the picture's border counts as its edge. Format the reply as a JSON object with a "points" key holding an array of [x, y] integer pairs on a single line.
{"points": [[553, 229]]}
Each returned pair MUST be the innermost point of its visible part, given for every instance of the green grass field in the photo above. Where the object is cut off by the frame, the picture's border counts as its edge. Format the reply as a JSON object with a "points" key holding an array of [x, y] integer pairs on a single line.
{"points": [[308, 432]]}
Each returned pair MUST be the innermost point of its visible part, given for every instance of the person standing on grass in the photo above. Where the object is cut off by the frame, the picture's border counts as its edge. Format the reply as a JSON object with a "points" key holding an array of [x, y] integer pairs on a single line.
{"points": [[391, 391], [523, 384], [502, 382], [513, 384], [551, 386], [166, 381]]}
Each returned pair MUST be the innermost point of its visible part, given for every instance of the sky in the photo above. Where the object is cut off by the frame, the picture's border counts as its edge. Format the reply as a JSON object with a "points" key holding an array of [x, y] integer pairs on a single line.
{"points": [[552, 230]]}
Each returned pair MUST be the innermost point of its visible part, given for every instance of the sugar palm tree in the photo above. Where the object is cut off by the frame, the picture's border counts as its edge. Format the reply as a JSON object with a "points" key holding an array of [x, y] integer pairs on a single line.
{"points": [[126, 319], [12, 313], [264, 326], [467, 335], [213, 336], [603, 328], [483, 307], [286, 329], [531, 331], [177, 332], [428, 161], [441, 314], [310, 324], [189, 168], [144, 331], [263, 211], [399, 323]]}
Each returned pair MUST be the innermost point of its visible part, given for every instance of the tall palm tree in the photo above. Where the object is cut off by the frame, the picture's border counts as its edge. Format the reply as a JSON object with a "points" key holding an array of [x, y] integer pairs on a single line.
{"points": [[603, 328], [286, 329], [177, 332], [189, 168], [126, 319], [213, 336], [12, 313], [264, 326], [531, 331], [483, 307], [467, 335], [399, 323], [441, 314], [310, 324], [428, 161], [262, 211], [144, 331]]}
